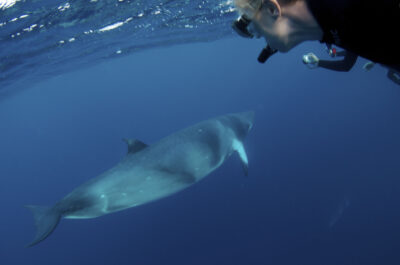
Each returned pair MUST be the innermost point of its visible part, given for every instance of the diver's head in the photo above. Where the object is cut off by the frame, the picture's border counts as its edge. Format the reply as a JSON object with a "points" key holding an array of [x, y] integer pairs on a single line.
{"points": [[247, 28], [247, 10], [261, 18], [283, 23]]}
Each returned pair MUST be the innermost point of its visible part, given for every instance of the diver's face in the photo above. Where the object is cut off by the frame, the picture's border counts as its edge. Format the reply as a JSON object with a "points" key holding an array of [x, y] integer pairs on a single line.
{"points": [[267, 22], [271, 28]]}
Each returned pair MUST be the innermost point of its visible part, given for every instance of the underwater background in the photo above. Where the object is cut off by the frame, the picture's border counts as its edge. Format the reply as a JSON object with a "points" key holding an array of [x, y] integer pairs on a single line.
{"points": [[323, 185]]}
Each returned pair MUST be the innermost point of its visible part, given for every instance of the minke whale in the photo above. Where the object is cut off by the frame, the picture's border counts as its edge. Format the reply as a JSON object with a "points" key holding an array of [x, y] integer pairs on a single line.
{"points": [[151, 172]]}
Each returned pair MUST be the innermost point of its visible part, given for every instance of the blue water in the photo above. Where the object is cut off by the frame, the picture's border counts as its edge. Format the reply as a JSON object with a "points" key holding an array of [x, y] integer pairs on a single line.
{"points": [[39, 39], [323, 185]]}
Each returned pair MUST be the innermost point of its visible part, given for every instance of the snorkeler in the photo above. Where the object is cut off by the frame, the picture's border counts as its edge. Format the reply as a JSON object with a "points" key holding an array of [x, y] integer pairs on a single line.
{"points": [[362, 28]]}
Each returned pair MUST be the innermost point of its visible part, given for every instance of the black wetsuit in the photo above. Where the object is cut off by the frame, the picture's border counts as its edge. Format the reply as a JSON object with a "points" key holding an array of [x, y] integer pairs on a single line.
{"points": [[368, 28]]}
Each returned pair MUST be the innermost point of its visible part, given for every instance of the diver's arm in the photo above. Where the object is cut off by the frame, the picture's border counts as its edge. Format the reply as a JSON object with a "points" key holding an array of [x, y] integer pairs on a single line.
{"points": [[341, 65], [341, 53]]}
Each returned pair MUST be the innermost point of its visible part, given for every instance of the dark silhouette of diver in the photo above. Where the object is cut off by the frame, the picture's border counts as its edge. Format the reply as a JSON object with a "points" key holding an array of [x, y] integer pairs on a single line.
{"points": [[365, 28]]}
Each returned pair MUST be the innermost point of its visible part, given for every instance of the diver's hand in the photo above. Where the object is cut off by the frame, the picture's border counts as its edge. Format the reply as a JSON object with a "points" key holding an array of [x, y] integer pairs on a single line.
{"points": [[311, 60], [368, 66]]}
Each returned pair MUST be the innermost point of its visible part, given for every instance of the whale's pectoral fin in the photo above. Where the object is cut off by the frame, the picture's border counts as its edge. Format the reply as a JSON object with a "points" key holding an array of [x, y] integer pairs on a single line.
{"points": [[46, 220], [239, 148], [134, 145]]}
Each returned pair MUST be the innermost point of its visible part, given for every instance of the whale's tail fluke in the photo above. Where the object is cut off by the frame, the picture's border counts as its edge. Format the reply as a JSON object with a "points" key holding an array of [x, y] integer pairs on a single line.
{"points": [[46, 220]]}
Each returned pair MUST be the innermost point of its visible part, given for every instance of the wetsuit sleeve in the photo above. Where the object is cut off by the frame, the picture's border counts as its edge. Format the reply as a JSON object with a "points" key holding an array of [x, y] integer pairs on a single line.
{"points": [[341, 65], [341, 53]]}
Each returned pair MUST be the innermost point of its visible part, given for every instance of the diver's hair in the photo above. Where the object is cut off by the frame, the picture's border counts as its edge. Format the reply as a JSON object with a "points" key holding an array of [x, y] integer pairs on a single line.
{"points": [[250, 7], [286, 2]]}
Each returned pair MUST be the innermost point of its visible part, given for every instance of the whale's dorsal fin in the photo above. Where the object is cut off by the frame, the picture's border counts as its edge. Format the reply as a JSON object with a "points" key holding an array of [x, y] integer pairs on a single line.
{"points": [[134, 145]]}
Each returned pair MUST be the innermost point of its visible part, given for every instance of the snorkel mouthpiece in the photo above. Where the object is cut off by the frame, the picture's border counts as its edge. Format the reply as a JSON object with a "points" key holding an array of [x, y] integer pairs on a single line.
{"points": [[265, 54]]}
